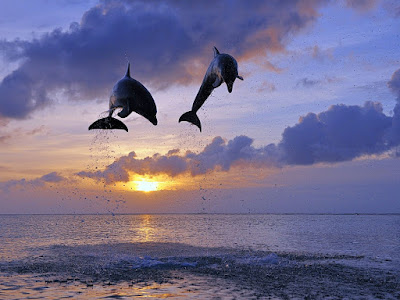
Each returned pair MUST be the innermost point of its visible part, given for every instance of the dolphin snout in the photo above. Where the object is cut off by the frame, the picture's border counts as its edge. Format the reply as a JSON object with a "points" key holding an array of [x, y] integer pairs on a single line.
{"points": [[153, 120], [230, 87]]}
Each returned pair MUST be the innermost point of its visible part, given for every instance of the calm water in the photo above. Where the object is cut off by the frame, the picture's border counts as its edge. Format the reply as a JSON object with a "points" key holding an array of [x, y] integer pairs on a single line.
{"points": [[200, 256]]}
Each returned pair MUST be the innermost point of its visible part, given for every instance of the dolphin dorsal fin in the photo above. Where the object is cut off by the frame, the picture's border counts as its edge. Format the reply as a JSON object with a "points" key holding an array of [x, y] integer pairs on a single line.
{"points": [[216, 52], [128, 71]]}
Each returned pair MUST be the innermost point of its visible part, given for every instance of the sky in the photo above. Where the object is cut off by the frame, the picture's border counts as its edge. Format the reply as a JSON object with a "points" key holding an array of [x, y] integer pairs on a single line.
{"points": [[314, 127]]}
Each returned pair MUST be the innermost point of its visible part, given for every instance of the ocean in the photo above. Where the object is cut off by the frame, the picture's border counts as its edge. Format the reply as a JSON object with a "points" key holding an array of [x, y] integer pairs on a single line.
{"points": [[200, 256]]}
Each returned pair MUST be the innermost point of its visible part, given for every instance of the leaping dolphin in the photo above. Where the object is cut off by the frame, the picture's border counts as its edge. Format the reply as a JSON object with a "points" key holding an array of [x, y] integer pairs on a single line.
{"points": [[223, 68], [130, 95]]}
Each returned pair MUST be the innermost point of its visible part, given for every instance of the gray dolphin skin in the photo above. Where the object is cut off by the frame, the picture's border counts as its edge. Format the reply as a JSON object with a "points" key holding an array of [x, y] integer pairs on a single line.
{"points": [[223, 68], [130, 95]]}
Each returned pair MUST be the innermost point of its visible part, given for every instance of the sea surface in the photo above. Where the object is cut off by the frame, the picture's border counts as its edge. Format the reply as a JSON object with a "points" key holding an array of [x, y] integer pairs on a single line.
{"points": [[200, 256]]}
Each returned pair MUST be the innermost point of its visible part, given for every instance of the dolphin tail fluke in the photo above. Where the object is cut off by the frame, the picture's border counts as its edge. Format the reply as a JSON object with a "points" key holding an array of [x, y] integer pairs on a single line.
{"points": [[191, 117], [108, 123]]}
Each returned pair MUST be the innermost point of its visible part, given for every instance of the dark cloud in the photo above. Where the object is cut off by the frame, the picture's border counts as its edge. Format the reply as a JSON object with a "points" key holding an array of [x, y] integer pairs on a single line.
{"points": [[341, 133], [394, 85], [20, 94], [53, 177], [164, 40]]}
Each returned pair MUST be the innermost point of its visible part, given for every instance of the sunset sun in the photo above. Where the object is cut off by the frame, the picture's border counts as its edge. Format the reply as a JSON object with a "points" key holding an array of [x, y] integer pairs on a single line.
{"points": [[146, 186]]}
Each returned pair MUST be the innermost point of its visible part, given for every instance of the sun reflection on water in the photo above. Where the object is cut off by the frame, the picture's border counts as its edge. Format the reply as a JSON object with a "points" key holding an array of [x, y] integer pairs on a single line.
{"points": [[146, 231]]}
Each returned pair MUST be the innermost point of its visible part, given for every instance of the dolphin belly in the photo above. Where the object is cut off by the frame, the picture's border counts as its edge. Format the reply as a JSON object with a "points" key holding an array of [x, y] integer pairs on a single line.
{"points": [[142, 103], [132, 96]]}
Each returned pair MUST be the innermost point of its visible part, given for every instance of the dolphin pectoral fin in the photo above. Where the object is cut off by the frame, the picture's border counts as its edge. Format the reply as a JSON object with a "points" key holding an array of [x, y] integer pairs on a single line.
{"points": [[191, 117], [217, 82], [239, 77], [152, 119], [124, 112], [108, 123]]}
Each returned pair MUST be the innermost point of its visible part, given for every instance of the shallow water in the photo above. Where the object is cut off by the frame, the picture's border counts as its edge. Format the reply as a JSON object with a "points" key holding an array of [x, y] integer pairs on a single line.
{"points": [[199, 256]]}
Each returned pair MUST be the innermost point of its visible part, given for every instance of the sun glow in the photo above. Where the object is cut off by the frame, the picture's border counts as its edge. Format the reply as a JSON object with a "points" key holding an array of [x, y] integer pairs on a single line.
{"points": [[150, 183], [146, 186]]}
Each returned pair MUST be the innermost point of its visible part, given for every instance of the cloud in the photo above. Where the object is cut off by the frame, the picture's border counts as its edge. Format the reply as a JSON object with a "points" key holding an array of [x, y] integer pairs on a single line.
{"points": [[362, 5], [270, 66], [165, 41], [39, 130], [392, 8], [318, 53], [394, 85], [306, 82], [341, 133], [53, 177], [219, 155], [266, 86], [4, 138], [20, 133]]}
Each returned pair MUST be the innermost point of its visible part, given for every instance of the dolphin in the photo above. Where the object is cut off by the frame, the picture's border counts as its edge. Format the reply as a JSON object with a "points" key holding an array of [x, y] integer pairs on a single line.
{"points": [[130, 95], [223, 68]]}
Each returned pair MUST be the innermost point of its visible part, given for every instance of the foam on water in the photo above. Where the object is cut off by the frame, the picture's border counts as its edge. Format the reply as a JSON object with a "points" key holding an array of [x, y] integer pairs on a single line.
{"points": [[243, 274]]}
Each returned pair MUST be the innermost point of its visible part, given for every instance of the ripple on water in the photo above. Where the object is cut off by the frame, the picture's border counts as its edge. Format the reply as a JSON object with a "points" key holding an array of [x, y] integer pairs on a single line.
{"points": [[164, 270]]}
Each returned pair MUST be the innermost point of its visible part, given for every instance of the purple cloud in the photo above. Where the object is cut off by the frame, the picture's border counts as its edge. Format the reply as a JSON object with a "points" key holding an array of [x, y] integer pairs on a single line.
{"points": [[218, 155], [163, 40], [394, 85], [341, 133], [53, 177]]}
